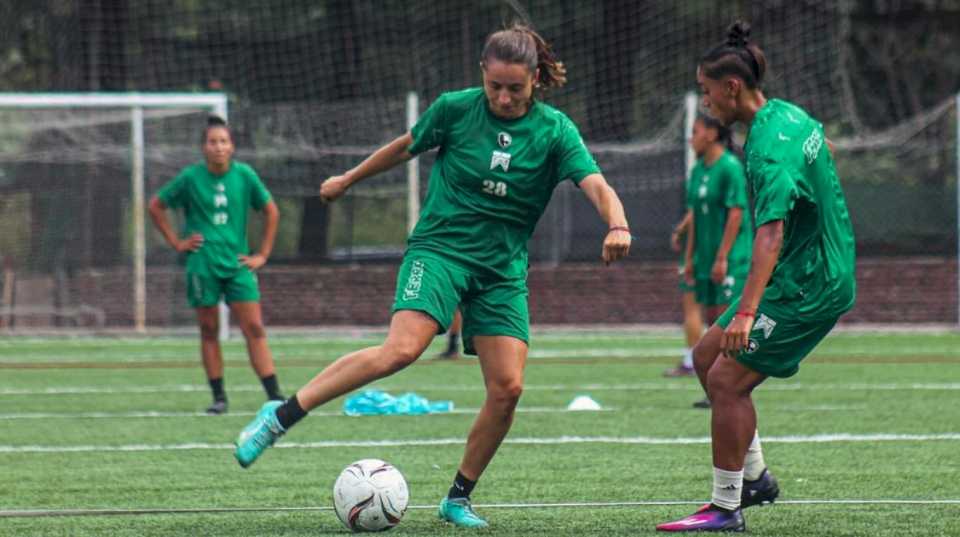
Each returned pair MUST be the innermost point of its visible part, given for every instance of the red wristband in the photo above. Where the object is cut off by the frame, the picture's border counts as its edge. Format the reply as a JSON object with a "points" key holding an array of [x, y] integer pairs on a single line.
{"points": [[619, 228], [744, 314]]}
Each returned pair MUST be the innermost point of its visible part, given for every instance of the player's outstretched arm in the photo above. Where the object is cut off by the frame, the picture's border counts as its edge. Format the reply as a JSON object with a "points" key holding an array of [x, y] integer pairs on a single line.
{"points": [[381, 160], [617, 242]]}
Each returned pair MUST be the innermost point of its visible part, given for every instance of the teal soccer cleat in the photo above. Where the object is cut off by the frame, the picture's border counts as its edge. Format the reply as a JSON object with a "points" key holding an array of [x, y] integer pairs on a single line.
{"points": [[459, 512], [259, 434]]}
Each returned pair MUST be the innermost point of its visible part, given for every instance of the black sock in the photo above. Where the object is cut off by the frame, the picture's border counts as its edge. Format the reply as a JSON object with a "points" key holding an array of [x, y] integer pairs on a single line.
{"points": [[289, 413], [216, 386], [453, 344], [272, 388], [462, 487]]}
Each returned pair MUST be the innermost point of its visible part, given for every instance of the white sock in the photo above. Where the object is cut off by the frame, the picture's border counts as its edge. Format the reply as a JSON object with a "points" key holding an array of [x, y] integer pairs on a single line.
{"points": [[688, 357], [727, 486], [753, 464]]}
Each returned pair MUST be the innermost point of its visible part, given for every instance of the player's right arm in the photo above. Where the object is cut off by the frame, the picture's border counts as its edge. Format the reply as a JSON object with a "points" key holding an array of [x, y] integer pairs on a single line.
{"points": [[381, 160], [688, 253], [158, 213], [679, 230]]}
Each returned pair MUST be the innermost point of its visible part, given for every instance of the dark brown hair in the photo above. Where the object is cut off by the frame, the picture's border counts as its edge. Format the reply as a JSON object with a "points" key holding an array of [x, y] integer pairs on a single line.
{"points": [[724, 134], [215, 122], [736, 56], [520, 44]]}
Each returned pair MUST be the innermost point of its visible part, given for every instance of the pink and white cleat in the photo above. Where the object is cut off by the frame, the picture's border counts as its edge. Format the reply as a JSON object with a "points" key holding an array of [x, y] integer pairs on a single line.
{"points": [[708, 518]]}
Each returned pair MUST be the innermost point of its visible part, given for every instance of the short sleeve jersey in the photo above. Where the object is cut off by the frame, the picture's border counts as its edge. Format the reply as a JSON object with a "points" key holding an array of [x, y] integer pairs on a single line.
{"points": [[711, 192], [793, 177], [492, 179], [216, 207]]}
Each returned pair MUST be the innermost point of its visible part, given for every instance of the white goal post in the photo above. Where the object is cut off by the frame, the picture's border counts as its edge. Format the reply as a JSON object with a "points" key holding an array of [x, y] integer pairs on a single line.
{"points": [[136, 103]]}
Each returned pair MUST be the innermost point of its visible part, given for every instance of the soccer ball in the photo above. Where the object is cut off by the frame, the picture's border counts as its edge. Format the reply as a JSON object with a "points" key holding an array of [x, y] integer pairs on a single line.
{"points": [[370, 495]]}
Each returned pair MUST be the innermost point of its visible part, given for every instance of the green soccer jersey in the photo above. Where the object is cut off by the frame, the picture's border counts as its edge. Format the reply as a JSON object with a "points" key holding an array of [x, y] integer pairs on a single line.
{"points": [[216, 207], [711, 192], [793, 177], [492, 179]]}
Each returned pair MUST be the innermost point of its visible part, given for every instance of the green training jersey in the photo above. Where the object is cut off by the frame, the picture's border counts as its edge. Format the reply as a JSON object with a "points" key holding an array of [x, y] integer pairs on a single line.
{"points": [[216, 207], [492, 179], [711, 192], [794, 179]]}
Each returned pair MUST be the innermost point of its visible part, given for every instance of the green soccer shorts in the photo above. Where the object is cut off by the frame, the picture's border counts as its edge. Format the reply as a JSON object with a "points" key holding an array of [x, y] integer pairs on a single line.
{"points": [[780, 338], [204, 290], [712, 294], [490, 306]]}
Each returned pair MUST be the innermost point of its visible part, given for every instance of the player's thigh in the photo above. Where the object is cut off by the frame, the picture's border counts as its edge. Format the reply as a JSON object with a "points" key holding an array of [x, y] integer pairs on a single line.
{"points": [[431, 286], [411, 331], [497, 309], [502, 360]]}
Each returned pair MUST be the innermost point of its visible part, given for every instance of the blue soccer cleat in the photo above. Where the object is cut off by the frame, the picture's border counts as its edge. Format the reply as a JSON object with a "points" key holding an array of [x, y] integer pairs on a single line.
{"points": [[708, 518], [259, 434], [762, 491], [459, 512]]}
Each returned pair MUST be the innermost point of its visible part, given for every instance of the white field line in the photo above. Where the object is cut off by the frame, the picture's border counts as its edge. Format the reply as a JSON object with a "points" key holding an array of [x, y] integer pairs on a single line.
{"points": [[147, 357], [666, 385], [330, 414], [560, 505], [561, 440]]}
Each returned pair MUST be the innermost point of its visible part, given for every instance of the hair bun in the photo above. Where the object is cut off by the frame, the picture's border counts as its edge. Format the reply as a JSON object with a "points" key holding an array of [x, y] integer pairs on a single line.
{"points": [[216, 121], [738, 35]]}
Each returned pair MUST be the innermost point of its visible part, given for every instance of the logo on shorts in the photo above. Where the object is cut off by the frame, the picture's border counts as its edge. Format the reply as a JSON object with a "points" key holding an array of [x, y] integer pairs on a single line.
{"points": [[752, 346], [504, 139], [412, 289], [728, 284], [766, 324]]}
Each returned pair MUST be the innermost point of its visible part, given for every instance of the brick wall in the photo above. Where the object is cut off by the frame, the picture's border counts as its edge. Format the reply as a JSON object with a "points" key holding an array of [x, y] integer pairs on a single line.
{"points": [[922, 290]]}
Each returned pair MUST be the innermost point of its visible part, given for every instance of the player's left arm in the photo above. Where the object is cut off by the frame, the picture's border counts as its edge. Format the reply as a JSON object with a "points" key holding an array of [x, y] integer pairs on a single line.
{"points": [[730, 230], [766, 250], [271, 219], [616, 245]]}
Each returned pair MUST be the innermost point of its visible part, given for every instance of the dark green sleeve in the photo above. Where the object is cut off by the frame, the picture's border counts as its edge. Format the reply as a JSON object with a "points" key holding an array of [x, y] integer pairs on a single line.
{"points": [[259, 195], [430, 129], [174, 193], [574, 160], [736, 195], [776, 192]]}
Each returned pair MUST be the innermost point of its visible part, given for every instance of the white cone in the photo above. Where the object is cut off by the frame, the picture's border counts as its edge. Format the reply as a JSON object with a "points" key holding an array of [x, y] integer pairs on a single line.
{"points": [[584, 402]]}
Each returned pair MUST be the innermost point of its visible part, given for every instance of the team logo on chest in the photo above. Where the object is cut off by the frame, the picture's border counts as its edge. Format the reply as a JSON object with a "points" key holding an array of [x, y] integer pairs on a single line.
{"points": [[501, 159]]}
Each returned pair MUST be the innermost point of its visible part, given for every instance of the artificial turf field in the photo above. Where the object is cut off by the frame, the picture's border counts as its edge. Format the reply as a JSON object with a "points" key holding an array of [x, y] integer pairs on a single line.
{"points": [[104, 436]]}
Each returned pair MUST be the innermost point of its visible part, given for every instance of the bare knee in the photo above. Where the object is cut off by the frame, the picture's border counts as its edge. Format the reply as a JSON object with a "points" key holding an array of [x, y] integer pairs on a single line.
{"points": [[253, 330], [396, 356], [505, 395], [703, 358], [209, 330]]}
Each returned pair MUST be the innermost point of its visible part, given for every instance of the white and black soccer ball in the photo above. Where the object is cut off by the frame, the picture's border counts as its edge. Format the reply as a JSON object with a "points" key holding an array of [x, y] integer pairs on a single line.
{"points": [[370, 495]]}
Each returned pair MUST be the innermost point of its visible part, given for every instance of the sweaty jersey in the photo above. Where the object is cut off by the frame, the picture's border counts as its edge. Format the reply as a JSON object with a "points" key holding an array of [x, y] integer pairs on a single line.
{"points": [[711, 191], [492, 179], [794, 179], [216, 207]]}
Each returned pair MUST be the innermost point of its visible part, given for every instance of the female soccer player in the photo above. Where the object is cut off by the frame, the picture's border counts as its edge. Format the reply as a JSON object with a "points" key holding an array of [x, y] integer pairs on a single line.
{"points": [[801, 277], [720, 238], [215, 196], [719, 234], [502, 152]]}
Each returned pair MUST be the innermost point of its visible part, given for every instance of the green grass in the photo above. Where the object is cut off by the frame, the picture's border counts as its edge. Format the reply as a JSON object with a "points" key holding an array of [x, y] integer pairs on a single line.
{"points": [[857, 384]]}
